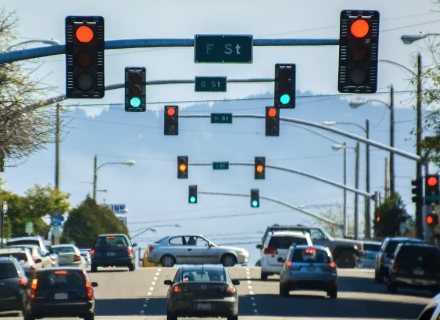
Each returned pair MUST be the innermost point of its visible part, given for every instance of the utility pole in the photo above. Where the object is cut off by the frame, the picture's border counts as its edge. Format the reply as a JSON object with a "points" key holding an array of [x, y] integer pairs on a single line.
{"points": [[345, 191], [392, 173], [419, 205], [367, 215], [356, 197], [386, 177], [95, 176], [2, 229], [57, 148]]}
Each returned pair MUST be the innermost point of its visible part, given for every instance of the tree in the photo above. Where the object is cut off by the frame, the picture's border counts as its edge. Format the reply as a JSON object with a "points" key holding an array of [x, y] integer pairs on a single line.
{"points": [[25, 126], [336, 213], [389, 215], [89, 220]]}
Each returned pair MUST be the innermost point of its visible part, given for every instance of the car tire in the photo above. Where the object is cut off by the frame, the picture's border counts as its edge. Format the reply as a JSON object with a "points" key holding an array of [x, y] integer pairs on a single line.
{"points": [[233, 317], [264, 276], [346, 260], [89, 316], [228, 260], [94, 268], [171, 316], [131, 267], [167, 261], [378, 277], [27, 316], [391, 288], [284, 291], [333, 293]]}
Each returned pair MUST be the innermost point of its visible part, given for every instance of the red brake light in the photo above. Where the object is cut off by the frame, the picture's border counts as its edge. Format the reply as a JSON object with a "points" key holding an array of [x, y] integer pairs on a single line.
{"points": [[76, 258], [35, 259], [270, 251], [88, 287], [60, 272], [333, 265], [176, 289], [129, 250], [111, 237], [34, 284], [22, 281], [92, 251], [231, 289], [288, 263], [310, 250]]}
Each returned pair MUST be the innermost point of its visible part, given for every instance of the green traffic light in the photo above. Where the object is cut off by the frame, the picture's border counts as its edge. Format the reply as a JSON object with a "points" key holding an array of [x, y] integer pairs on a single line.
{"points": [[285, 99], [135, 102], [192, 199], [254, 203]]}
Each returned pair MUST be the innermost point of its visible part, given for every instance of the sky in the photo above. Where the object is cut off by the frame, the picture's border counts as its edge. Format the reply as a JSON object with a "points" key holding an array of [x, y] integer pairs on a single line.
{"points": [[150, 188]]}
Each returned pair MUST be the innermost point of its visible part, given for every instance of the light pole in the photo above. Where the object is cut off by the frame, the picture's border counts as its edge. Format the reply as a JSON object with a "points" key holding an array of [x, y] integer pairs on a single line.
{"points": [[357, 103], [367, 214], [336, 147], [410, 38], [129, 163], [51, 42]]}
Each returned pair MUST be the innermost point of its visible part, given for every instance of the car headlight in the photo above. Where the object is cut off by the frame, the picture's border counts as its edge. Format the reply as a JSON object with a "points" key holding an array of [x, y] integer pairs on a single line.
{"points": [[355, 247]]}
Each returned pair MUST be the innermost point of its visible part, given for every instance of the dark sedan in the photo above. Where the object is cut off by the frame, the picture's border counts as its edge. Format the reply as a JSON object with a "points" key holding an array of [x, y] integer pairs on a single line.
{"points": [[12, 284], [202, 291], [113, 250], [59, 292]]}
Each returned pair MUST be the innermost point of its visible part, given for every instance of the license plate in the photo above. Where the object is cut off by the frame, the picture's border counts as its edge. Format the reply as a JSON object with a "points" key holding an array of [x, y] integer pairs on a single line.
{"points": [[310, 269], [110, 254], [60, 296], [204, 306], [419, 272]]}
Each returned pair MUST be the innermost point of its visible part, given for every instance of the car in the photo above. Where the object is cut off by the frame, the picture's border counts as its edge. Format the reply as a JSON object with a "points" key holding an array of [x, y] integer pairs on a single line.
{"points": [[113, 250], [59, 292], [415, 265], [43, 260], [69, 256], [276, 245], [371, 249], [432, 309], [346, 252], [144, 261], [85, 253], [12, 283], [309, 268], [202, 291], [33, 241], [194, 249], [23, 257], [385, 255]]}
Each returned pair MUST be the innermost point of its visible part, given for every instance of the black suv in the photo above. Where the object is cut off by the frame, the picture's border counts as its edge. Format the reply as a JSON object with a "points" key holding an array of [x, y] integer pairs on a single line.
{"points": [[59, 292], [12, 284], [415, 265], [113, 250]]}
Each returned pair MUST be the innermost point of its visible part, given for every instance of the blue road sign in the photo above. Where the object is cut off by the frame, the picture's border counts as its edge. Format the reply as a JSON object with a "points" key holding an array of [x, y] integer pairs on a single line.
{"points": [[117, 208], [57, 220]]}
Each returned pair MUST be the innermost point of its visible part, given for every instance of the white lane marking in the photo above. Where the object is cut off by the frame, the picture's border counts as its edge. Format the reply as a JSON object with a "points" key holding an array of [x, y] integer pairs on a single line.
{"points": [[250, 287], [151, 288], [254, 304], [157, 273], [144, 305], [153, 283], [247, 269], [142, 311], [159, 269], [255, 310], [155, 278], [252, 298], [251, 292], [248, 277], [146, 300], [249, 281], [149, 293]]}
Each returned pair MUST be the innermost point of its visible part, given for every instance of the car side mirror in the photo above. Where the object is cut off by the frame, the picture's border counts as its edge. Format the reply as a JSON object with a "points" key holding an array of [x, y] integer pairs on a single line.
{"points": [[94, 284], [280, 259], [236, 282], [259, 246], [168, 282], [134, 245], [38, 261]]}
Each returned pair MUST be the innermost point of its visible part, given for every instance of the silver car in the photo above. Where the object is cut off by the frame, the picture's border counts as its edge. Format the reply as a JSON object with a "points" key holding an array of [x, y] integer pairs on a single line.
{"points": [[194, 249], [309, 268]]}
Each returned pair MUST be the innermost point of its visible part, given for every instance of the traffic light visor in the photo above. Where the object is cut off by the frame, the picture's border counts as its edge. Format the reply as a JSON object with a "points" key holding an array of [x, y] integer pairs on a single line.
{"points": [[272, 112], [171, 111], [432, 181], [260, 168], [360, 28], [84, 34]]}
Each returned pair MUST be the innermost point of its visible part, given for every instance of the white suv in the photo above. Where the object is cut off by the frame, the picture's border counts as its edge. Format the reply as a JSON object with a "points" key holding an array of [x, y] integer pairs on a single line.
{"points": [[275, 246]]}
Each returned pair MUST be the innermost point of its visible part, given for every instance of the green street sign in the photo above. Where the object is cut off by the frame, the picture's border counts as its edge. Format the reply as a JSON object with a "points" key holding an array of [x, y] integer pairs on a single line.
{"points": [[29, 227], [223, 48], [220, 165], [221, 117], [432, 197], [210, 84]]}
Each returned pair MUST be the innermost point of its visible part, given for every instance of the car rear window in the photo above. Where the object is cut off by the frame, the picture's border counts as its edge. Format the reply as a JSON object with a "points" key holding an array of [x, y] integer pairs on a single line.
{"points": [[66, 249], [61, 278], [371, 247], [111, 241], [392, 245], [23, 242], [310, 255], [203, 275], [284, 242], [419, 255], [16, 255], [8, 270]]}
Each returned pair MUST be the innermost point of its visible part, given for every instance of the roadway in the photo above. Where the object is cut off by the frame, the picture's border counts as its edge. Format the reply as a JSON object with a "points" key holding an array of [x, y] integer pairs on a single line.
{"points": [[141, 295]]}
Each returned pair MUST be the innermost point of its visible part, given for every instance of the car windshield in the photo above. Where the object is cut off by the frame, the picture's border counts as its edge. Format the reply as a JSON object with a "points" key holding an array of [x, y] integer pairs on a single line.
{"points": [[60, 278], [65, 249], [203, 275], [8, 270], [284, 242], [16, 255], [310, 255], [111, 241], [371, 247], [392, 245]]}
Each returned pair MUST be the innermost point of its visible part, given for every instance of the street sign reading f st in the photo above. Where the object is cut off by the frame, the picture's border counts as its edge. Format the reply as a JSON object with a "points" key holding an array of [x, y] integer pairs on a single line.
{"points": [[223, 48]]}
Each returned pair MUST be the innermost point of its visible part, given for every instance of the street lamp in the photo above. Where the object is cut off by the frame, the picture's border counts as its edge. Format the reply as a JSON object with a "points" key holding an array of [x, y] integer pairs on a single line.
{"points": [[51, 42], [410, 38], [128, 163]]}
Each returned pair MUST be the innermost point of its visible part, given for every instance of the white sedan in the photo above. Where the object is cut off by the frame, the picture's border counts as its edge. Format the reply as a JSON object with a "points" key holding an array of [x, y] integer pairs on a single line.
{"points": [[69, 256]]}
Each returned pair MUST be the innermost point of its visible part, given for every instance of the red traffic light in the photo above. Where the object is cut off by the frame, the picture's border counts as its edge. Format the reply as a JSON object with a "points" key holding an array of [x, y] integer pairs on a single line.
{"points": [[360, 28], [378, 219], [272, 112], [432, 181], [429, 219], [171, 111], [84, 34]]}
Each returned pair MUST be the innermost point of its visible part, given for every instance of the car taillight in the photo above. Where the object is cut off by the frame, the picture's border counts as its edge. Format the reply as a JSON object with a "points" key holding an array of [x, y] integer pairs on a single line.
{"points": [[33, 288], [288, 263], [231, 289], [129, 251], [52, 258], [22, 281], [176, 289], [270, 251], [76, 258], [92, 252], [35, 259], [333, 265], [88, 287], [150, 248]]}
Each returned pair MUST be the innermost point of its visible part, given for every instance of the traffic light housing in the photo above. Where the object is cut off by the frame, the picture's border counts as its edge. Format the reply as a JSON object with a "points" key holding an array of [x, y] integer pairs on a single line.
{"points": [[432, 219], [272, 122], [85, 57], [432, 191], [417, 191], [260, 168], [255, 198], [358, 51], [135, 97], [171, 121], [182, 167], [192, 194], [284, 96]]}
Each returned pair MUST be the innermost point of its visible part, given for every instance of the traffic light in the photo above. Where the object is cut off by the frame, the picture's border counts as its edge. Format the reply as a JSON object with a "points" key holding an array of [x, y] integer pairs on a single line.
{"points": [[135, 98], [85, 57], [284, 96], [192, 197], [272, 122], [432, 192], [432, 219], [358, 51], [417, 191], [171, 119], [260, 168], [182, 167], [255, 198]]}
